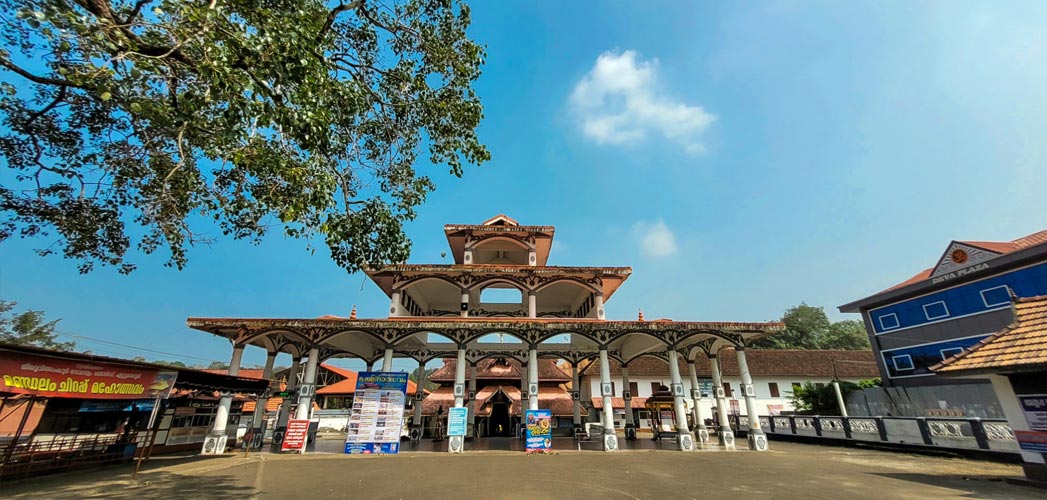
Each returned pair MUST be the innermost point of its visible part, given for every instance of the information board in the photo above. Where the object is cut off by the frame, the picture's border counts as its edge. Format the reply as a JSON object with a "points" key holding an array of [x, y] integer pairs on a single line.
{"points": [[296, 435], [539, 431], [376, 421], [456, 418], [1035, 408]]}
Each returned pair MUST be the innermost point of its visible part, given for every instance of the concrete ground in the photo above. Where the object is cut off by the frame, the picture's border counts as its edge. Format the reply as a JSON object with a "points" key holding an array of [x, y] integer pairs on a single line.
{"points": [[790, 470]]}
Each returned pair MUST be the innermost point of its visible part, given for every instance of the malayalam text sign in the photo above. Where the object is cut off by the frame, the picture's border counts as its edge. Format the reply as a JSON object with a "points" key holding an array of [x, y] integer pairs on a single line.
{"points": [[539, 431], [1035, 408], [456, 418], [376, 421], [65, 378], [295, 436]]}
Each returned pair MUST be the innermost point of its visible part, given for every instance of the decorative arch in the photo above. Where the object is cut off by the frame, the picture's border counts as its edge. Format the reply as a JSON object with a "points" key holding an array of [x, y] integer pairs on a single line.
{"points": [[487, 282], [479, 243], [571, 280], [418, 279]]}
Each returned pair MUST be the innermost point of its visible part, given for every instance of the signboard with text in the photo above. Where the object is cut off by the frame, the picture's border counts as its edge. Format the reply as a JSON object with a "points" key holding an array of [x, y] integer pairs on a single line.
{"points": [[456, 425], [1032, 440], [539, 431], [376, 421], [64, 378], [1035, 408], [296, 435]]}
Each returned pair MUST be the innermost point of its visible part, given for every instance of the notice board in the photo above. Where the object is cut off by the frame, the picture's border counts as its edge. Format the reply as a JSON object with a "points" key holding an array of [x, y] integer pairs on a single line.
{"points": [[376, 420]]}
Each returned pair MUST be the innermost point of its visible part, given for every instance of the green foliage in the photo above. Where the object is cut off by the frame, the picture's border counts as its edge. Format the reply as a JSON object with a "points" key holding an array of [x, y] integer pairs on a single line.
{"points": [[810, 398], [429, 384], [133, 123], [808, 327], [29, 328]]}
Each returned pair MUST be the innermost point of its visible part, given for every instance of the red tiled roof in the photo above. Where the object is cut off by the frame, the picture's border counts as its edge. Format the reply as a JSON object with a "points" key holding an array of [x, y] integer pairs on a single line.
{"points": [[1022, 346], [637, 403], [762, 363], [348, 386], [550, 398], [1000, 247], [492, 369]]}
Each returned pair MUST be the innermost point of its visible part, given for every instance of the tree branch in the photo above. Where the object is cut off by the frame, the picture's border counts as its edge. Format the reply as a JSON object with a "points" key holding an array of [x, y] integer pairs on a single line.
{"points": [[335, 12]]}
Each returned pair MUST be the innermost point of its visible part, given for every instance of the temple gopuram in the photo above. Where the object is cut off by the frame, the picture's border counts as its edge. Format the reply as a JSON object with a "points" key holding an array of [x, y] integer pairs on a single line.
{"points": [[437, 311]]}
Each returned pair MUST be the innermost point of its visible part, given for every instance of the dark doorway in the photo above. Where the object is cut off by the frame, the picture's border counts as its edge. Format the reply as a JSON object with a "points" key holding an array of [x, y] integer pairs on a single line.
{"points": [[500, 424]]}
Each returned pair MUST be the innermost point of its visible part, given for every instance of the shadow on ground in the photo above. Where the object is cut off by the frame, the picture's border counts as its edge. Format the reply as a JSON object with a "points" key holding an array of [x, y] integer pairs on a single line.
{"points": [[974, 485]]}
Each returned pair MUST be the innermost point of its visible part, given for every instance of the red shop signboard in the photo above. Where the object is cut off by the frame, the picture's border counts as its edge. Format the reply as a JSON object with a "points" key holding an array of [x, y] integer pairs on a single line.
{"points": [[65, 378]]}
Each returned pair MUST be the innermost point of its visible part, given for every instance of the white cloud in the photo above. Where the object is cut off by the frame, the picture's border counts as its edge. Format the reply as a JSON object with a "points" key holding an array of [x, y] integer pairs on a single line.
{"points": [[656, 239], [620, 101]]}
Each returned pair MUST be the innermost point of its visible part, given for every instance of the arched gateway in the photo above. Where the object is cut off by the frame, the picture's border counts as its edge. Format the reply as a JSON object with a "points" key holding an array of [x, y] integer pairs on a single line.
{"points": [[558, 302]]}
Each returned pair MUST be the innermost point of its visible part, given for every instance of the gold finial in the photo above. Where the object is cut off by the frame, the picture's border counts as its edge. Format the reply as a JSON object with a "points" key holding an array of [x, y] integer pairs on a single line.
{"points": [[640, 316], [352, 315]]}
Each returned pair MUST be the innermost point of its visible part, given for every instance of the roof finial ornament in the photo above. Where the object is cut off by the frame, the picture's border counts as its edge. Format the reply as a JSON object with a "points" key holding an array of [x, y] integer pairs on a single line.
{"points": [[352, 315], [639, 317]]}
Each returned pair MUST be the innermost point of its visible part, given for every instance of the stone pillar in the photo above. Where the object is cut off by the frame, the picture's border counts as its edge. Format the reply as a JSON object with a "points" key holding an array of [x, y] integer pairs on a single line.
{"points": [[292, 383], [598, 305], [683, 432], [630, 424], [472, 400], [215, 445], [532, 379], [455, 443], [420, 388], [723, 428], [532, 305], [387, 360], [610, 439], [696, 396], [465, 304], [757, 439], [259, 408], [577, 386], [305, 397]]}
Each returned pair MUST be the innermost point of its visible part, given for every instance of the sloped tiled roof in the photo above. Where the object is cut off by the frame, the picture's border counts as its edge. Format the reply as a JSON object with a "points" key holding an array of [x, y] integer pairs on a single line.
{"points": [[495, 369], [1000, 247], [255, 373], [762, 363], [1022, 346], [637, 403], [348, 386]]}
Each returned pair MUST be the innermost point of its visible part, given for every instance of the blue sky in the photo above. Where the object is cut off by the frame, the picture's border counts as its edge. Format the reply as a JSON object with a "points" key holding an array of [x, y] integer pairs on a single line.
{"points": [[741, 157]]}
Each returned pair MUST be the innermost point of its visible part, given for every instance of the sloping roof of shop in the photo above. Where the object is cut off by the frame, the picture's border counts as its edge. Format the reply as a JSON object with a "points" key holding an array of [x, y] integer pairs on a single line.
{"points": [[1022, 346]]}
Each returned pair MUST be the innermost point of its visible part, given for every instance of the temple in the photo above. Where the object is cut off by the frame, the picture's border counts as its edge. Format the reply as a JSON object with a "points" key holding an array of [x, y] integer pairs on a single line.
{"points": [[508, 348]]}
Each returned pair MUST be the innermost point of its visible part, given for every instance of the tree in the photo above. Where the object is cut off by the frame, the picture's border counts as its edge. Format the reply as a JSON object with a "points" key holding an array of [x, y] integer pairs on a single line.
{"points": [[808, 327], [29, 328], [812, 399], [429, 384], [135, 123], [218, 365], [847, 334]]}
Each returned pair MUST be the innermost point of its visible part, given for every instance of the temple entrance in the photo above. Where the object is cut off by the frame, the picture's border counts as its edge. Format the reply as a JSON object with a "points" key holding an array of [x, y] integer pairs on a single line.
{"points": [[500, 423]]}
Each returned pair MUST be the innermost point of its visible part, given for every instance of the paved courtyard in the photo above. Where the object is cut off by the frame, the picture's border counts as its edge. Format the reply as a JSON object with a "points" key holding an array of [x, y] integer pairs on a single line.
{"points": [[790, 470]]}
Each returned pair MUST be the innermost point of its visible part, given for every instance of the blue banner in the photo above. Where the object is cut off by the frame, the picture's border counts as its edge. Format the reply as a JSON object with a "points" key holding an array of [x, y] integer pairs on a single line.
{"points": [[376, 421], [539, 431]]}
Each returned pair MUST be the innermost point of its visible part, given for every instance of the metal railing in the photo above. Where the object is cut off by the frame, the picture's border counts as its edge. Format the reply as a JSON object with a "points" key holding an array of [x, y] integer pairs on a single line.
{"points": [[952, 433], [47, 453]]}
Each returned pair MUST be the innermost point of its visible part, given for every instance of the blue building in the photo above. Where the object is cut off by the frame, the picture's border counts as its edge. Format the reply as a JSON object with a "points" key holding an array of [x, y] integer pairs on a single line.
{"points": [[946, 309]]}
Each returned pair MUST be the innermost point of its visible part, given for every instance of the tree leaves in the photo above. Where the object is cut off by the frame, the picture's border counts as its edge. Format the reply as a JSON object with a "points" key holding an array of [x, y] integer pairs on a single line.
{"points": [[807, 327], [126, 123], [29, 328]]}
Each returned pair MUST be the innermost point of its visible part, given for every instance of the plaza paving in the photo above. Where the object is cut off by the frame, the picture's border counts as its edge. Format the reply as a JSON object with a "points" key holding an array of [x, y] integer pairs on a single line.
{"points": [[790, 470]]}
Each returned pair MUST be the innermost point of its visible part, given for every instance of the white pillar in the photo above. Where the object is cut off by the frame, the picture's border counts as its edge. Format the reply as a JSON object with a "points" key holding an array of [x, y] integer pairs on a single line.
{"points": [[532, 379], [305, 401], [532, 305], [696, 397], [577, 386], [387, 360], [682, 430], [757, 439], [610, 440], [259, 408], [216, 446], [395, 308], [723, 431], [630, 425], [472, 399], [839, 398], [455, 443], [465, 304], [598, 305]]}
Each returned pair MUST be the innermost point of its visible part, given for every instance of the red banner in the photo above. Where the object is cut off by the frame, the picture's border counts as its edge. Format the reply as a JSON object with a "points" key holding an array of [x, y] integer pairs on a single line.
{"points": [[66, 378], [296, 435]]}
